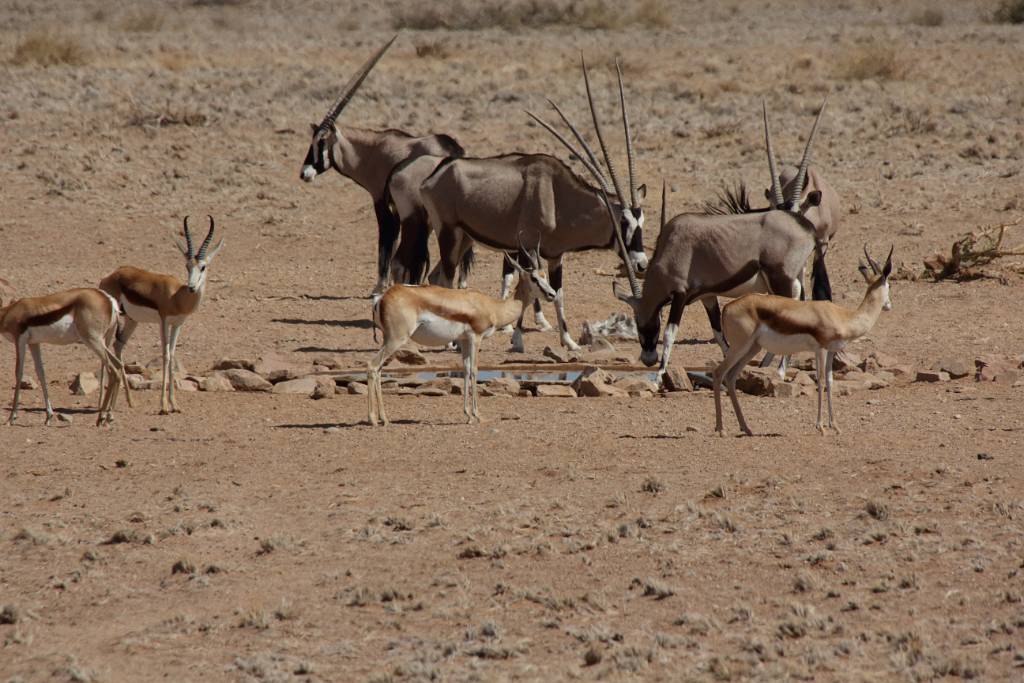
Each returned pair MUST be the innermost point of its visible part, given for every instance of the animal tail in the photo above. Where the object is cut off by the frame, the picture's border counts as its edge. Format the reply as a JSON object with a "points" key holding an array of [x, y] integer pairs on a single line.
{"points": [[466, 264], [821, 289], [375, 313]]}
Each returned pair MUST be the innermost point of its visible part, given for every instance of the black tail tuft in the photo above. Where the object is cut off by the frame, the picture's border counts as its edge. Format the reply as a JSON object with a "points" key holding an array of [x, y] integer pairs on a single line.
{"points": [[466, 264], [731, 200], [821, 289]]}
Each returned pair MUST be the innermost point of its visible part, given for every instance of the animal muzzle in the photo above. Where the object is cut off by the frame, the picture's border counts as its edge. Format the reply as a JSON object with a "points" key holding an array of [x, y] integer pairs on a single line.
{"points": [[639, 260], [649, 358], [308, 173]]}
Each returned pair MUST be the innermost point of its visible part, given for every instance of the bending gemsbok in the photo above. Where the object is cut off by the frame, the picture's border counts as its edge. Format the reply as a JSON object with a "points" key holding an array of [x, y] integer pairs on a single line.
{"points": [[701, 256], [86, 316], [367, 157], [156, 298], [784, 326], [492, 201], [436, 316]]}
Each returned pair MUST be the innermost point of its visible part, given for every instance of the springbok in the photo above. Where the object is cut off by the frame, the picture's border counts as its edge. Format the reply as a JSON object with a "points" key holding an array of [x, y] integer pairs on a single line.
{"points": [[436, 316], [785, 326], [700, 256], [86, 316], [156, 298], [367, 157], [493, 200]]}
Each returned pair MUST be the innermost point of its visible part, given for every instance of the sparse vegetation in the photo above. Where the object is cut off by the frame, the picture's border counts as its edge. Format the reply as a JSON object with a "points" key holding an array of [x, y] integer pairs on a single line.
{"points": [[878, 510], [652, 485], [587, 14], [932, 16], [170, 114], [1009, 12], [50, 48], [874, 61], [143, 20]]}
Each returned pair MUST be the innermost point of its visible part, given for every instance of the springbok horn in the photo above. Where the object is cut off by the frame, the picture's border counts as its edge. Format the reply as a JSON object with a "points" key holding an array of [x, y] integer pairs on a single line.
{"points": [[579, 137], [629, 140], [801, 176], [777, 199], [871, 262], [353, 85], [600, 137], [568, 145], [888, 259], [188, 239], [206, 242]]}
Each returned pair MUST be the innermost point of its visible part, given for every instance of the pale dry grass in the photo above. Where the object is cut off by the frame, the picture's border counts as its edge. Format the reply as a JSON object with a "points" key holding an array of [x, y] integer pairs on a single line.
{"points": [[874, 61], [589, 14], [50, 48]]}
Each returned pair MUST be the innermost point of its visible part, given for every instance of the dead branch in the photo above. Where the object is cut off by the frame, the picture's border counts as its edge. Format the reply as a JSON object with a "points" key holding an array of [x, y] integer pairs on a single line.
{"points": [[971, 253]]}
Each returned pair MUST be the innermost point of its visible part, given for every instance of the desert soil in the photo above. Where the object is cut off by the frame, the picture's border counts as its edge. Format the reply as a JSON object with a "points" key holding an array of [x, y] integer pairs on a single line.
{"points": [[587, 538]]}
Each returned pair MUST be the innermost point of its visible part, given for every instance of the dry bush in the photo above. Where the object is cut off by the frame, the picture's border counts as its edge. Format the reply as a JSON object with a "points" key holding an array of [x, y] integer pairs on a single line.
{"points": [[875, 61], [47, 48], [170, 114], [217, 3], [436, 49], [1009, 12], [143, 20], [933, 16], [588, 14]]}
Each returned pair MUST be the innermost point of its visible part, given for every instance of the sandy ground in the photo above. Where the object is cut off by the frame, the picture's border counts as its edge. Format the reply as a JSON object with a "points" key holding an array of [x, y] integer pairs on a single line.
{"points": [[591, 539]]}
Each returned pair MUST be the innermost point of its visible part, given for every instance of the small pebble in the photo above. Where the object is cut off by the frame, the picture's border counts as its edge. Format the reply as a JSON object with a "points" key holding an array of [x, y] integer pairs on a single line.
{"points": [[985, 456]]}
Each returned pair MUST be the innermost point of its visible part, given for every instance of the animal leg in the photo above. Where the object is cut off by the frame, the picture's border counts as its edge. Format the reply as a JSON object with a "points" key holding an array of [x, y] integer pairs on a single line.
{"points": [[19, 371], [555, 270], [174, 361], [538, 317], [373, 384], [388, 228], [714, 312], [828, 389], [449, 243], [468, 345], [508, 274], [675, 315], [517, 335], [37, 359], [120, 341], [474, 384], [730, 381], [820, 371]]}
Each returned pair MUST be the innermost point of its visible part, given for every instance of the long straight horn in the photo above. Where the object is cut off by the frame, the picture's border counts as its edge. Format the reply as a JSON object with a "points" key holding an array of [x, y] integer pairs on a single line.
{"points": [[579, 138], [801, 176], [353, 85], [664, 210], [629, 140], [777, 199], [568, 145], [600, 137], [188, 239], [206, 242]]}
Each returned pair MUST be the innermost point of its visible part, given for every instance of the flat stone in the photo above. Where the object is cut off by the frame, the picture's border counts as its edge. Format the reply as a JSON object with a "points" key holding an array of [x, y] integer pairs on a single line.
{"points": [[595, 383], [954, 367], [500, 386], [880, 359], [635, 386], [555, 391], [410, 357], [186, 384], [905, 371], [216, 382], [931, 376], [790, 389], [246, 380], [84, 383], [304, 386], [235, 364], [431, 391], [675, 380], [846, 360], [1007, 376], [443, 384], [357, 388], [802, 377], [325, 388], [756, 381], [990, 368]]}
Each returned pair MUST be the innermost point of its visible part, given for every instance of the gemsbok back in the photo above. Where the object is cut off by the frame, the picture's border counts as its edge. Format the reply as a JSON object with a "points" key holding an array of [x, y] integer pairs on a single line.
{"points": [[785, 326], [436, 316], [367, 158], [85, 316]]}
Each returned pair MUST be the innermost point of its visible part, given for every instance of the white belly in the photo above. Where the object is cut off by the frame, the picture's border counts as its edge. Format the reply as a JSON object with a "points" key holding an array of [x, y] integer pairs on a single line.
{"points": [[62, 331], [140, 314], [432, 330], [785, 344]]}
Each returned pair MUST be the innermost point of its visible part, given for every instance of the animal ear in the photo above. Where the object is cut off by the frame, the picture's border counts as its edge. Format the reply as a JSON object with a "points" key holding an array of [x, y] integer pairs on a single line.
{"points": [[865, 272], [209, 257], [813, 198], [768, 195], [641, 192], [887, 270], [313, 127]]}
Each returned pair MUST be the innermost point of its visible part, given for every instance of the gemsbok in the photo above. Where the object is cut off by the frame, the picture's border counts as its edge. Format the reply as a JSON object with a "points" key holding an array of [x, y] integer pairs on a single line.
{"points": [[785, 326], [494, 200], [436, 316], [86, 316], [148, 297], [701, 256], [367, 157]]}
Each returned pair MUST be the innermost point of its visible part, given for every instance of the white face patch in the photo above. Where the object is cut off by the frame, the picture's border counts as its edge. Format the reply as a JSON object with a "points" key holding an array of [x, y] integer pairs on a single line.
{"points": [[639, 259], [886, 302], [308, 173]]}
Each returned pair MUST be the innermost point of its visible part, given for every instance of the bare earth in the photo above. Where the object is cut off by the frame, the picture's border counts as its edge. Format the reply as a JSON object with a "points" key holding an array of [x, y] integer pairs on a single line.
{"points": [[588, 538]]}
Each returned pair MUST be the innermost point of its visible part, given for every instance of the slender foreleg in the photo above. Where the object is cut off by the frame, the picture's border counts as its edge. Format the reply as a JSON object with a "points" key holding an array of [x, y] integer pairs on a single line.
{"points": [[468, 347], [165, 364], [714, 311], [675, 315], [37, 359], [373, 382], [19, 371], [555, 271], [828, 388], [821, 371], [730, 381], [175, 331]]}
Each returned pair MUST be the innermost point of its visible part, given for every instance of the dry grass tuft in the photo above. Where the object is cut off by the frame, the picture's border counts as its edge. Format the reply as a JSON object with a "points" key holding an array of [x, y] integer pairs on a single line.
{"points": [[9, 615], [516, 14], [217, 3], [170, 114], [433, 49], [652, 485], [49, 48], [143, 20], [1009, 12], [879, 511], [933, 16], [875, 61]]}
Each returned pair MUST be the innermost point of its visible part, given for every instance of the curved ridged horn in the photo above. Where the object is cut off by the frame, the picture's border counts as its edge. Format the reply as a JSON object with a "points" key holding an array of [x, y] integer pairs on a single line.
{"points": [[777, 199], [629, 140], [350, 88], [872, 262], [600, 137], [206, 242], [801, 176], [188, 239]]}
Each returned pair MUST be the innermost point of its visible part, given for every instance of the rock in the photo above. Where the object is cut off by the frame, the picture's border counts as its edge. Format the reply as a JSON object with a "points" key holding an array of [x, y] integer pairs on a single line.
{"points": [[84, 383], [1007, 376], [555, 391], [27, 383], [186, 384], [442, 384], [676, 380], [996, 369], [329, 361], [804, 378], [276, 369], [246, 380], [216, 382], [790, 389], [931, 376], [500, 386], [955, 368], [235, 364], [902, 371], [600, 345], [878, 359], [410, 357], [156, 366], [304, 386], [872, 381], [595, 382], [845, 360], [756, 381], [636, 386], [357, 388], [559, 356], [325, 388], [431, 391]]}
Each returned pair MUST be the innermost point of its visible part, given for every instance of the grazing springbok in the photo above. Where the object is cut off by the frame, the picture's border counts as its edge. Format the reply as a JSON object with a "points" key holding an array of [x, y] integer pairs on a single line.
{"points": [[367, 158], [436, 316], [86, 316], [493, 200], [700, 256], [156, 298], [785, 326]]}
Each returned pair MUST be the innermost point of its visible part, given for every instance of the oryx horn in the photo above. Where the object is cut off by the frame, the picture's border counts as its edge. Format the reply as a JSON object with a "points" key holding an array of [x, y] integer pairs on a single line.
{"points": [[629, 140], [206, 242], [353, 85], [801, 176], [777, 199], [600, 137]]}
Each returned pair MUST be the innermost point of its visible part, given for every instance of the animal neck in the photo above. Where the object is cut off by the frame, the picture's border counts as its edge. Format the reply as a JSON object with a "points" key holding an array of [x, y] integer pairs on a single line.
{"points": [[185, 302], [509, 310], [866, 315], [353, 148]]}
